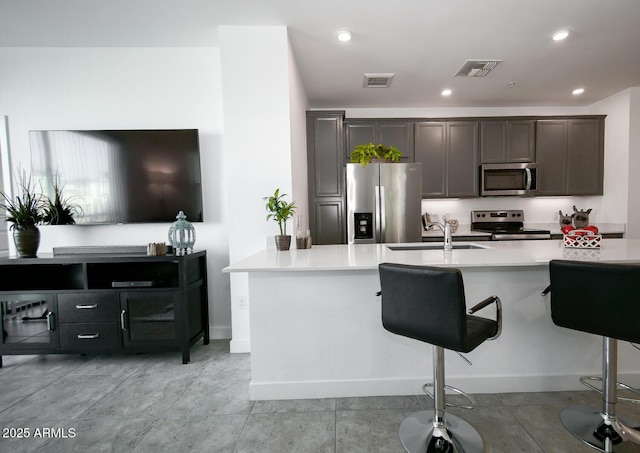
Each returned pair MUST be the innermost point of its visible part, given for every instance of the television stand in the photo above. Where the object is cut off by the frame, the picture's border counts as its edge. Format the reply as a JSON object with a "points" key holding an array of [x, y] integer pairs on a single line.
{"points": [[92, 303]]}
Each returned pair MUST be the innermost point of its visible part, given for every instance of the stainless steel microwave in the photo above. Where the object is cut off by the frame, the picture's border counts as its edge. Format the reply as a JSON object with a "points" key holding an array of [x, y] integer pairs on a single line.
{"points": [[508, 179]]}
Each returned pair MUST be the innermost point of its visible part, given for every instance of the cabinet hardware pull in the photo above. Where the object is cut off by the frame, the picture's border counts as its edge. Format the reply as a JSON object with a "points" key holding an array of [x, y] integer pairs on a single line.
{"points": [[87, 306], [122, 319], [50, 321], [88, 336]]}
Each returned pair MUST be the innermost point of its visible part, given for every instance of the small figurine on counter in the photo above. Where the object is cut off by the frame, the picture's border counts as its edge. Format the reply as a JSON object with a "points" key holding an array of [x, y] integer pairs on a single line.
{"points": [[565, 219], [580, 218]]}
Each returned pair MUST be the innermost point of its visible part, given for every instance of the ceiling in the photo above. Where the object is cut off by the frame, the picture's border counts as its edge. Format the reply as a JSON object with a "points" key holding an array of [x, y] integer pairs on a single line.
{"points": [[423, 42]]}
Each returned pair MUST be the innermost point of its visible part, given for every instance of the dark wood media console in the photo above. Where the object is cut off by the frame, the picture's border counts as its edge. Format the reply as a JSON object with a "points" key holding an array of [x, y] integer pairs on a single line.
{"points": [[103, 303]]}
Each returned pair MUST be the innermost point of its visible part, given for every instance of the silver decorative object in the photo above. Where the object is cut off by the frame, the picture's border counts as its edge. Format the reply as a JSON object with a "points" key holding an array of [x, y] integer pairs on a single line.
{"points": [[182, 235]]}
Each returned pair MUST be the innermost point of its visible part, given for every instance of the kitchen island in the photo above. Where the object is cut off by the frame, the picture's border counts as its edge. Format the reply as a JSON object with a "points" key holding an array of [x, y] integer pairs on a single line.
{"points": [[316, 330]]}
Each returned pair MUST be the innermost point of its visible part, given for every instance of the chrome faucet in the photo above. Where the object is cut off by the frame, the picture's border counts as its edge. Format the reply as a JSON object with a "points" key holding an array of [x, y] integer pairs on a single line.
{"points": [[446, 229]]}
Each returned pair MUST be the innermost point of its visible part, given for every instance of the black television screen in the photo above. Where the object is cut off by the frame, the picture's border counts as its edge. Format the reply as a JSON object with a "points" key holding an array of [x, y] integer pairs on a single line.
{"points": [[122, 176]]}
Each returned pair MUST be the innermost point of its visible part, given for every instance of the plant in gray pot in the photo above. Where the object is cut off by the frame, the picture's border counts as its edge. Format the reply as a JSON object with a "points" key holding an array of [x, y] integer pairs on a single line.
{"points": [[25, 212], [280, 211]]}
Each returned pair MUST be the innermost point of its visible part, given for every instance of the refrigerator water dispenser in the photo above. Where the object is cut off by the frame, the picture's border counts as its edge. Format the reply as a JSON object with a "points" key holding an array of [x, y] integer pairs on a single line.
{"points": [[364, 225]]}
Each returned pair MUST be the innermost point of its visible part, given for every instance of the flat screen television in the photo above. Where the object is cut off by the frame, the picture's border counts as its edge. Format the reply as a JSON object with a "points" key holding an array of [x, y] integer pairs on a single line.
{"points": [[121, 176]]}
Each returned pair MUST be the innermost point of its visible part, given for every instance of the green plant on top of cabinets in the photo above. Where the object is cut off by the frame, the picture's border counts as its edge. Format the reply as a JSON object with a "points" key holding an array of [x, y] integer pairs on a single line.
{"points": [[365, 153]]}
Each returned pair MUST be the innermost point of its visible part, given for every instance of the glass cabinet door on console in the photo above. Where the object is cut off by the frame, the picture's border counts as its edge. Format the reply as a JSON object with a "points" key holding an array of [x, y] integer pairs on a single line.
{"points": [[28, 321], [148, 317]]}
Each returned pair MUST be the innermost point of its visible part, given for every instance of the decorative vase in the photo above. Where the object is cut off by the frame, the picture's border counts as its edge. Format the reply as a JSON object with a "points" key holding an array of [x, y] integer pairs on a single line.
{"points": [[27, 241], [283, 242], [182, 235]]}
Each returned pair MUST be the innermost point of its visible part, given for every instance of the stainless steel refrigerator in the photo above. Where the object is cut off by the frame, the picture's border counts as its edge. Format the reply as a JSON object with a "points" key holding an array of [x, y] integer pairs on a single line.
{"points": [[384, 203]]}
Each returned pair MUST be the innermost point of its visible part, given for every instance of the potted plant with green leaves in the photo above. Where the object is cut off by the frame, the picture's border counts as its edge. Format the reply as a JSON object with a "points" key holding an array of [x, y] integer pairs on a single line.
{"points": [[25, 211], [61, 210], [367, 152], [280, 211]]}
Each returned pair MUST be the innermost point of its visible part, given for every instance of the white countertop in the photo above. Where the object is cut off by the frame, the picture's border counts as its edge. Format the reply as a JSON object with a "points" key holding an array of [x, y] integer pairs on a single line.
{"points": [[498, 254]]}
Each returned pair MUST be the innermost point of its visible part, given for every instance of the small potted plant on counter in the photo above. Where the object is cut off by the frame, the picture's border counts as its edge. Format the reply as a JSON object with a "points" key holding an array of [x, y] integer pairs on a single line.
{"points": [[280, 211], [365, 153], [25, 211]]}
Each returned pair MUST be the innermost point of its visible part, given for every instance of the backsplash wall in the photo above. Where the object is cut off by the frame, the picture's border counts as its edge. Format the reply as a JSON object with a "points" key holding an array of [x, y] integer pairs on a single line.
{"points": [[536, 210]]}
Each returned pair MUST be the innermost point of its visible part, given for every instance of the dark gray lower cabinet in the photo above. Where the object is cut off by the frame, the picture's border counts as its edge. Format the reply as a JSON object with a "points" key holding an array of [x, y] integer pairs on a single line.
{"points": [[103, 303], [570, 156], [448, 151]]}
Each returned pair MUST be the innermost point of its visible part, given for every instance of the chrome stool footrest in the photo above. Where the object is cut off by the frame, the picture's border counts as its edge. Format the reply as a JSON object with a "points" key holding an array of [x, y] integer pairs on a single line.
{"points": [[620, 385], [472, 404]]}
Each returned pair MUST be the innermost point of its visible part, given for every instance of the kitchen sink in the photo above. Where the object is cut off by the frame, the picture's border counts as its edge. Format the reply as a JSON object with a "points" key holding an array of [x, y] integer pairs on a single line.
{"points": [[437, 246]]}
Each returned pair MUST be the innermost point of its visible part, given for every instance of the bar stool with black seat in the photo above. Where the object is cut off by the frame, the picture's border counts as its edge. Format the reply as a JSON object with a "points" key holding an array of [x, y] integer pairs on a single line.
{"points": [[428, 304], [601, 299]]}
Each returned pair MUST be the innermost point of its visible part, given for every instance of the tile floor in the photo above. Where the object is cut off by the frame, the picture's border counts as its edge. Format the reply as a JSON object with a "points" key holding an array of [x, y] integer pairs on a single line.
{"points": [[153, 403]]}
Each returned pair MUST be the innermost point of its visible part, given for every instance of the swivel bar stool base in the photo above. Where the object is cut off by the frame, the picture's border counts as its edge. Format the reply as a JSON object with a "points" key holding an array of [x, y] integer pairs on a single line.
{"points": [[584, 421], [416, 434]]}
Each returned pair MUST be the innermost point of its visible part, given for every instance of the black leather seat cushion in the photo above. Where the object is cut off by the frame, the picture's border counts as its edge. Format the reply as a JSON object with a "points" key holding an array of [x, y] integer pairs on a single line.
{"points": [[428, 304], [598, 298]]}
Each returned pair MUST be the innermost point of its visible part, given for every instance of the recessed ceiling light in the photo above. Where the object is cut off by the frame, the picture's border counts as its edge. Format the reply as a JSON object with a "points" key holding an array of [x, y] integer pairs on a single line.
{"points": [[344, 35], [446, 92], [560, 35], [578, 91]]}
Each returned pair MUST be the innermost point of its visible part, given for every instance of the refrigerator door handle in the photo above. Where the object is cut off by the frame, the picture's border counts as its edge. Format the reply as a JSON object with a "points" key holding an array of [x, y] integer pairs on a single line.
{"points": [[377, 219], [383, 215]]}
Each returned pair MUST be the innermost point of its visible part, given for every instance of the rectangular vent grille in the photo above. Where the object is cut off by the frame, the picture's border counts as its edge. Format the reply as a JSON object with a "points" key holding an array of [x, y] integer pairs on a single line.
{"points": [[477, 68], [377, 80]]}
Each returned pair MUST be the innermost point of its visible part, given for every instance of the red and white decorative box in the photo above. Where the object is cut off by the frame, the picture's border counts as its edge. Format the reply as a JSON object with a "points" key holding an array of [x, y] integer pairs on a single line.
{"points": [[582, 239]]}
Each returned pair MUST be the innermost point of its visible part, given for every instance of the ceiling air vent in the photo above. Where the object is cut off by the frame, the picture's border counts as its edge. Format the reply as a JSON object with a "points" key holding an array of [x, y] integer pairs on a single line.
{"points": [[377, 80], [477, 68]]}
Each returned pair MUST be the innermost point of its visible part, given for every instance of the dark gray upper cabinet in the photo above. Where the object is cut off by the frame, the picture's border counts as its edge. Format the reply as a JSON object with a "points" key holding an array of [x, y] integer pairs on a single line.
{"points": [[325, 164], [397, 133], [570, 156], [503, 141], [448, 151]]}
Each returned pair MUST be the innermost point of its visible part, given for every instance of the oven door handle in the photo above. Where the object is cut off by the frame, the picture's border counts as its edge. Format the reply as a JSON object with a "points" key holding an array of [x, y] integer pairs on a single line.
{"points": [[528, 179]]}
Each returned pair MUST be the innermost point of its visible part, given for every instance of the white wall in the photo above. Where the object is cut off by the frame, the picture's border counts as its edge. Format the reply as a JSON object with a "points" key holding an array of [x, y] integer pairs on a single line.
{"points": [[257, 143], [126, 88], [609, 208], [633, 207], [299, 106]]}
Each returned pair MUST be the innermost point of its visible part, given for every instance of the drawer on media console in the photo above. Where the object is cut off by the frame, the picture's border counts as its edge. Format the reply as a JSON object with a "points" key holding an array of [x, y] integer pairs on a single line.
{"points": [[88, 307], [89, 336]]}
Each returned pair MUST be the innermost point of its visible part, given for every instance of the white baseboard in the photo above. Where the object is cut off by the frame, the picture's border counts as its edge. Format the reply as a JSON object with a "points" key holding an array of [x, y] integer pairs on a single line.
{"points": [[239, 346], [413, 386], [220, 333]]}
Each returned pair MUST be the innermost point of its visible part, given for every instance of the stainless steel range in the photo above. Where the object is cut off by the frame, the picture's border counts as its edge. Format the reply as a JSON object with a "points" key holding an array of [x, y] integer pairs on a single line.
{"points": [[505, 225]]}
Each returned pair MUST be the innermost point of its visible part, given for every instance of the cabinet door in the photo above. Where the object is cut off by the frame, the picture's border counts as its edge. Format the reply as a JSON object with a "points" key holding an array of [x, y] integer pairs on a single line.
{"points": [[585, 157], [430, 150], [29, 322], [551, 156], [503, 141], [462, 159], [148, 317], [358, 133], [330, 222], [493, 142], [521, 141], [397, 134]]}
